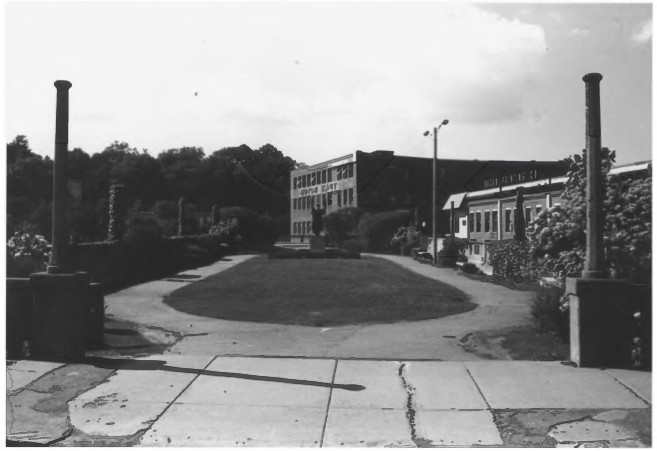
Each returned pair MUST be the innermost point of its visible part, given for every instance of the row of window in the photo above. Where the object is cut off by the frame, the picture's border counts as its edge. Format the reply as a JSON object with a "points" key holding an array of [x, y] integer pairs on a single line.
{"points": [[324, 176], [345, 197], [302, 227], [490, 219]]}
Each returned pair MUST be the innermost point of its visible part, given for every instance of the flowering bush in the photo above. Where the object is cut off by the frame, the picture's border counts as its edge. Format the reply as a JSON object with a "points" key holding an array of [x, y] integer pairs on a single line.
{"points": [[26, 253], [559, 234], [453, 247], [404, 239], [227, 230], [510, 259]]}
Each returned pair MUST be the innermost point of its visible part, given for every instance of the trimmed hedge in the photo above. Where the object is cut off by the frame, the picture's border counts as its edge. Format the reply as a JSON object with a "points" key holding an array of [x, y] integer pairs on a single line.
{"points": [[143, 257]]}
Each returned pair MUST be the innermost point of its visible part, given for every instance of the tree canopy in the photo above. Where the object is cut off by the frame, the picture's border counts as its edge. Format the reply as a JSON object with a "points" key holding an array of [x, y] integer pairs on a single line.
{"points": [[230, 177]]}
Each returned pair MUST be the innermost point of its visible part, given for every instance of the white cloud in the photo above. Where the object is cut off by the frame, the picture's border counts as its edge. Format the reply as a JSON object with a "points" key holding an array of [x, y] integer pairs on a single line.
{"points": [[325, 78], [579, 32], [642, 33]]}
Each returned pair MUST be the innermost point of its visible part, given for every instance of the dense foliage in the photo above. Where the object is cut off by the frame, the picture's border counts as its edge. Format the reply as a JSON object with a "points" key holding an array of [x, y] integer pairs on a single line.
{"points": [[510, 259], [377, 229], [405, 239], [341, 224], [558, 237], [236, 176], [26, 253]]}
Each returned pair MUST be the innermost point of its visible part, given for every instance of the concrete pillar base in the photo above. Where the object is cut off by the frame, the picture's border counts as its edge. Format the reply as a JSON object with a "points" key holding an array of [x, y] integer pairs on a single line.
{"points": [[600, 322], [317, 244], [60, 315]]}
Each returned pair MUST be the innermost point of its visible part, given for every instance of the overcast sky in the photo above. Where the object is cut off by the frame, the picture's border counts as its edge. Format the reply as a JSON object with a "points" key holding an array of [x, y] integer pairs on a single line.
{"points": [[320, 80]]}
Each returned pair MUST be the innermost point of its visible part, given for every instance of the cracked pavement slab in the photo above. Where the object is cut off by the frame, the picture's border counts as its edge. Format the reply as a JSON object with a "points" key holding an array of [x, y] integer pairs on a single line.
{"points": [[39, 412], [171, 400], [574, 427]]}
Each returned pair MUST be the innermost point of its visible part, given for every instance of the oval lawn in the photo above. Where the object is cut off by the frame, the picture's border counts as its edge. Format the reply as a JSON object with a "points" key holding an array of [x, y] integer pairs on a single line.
{"points": [[321, 293]]}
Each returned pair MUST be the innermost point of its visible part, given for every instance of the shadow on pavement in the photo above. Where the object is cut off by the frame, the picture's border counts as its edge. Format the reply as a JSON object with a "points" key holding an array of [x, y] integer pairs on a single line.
{"points": [[153, 365]]}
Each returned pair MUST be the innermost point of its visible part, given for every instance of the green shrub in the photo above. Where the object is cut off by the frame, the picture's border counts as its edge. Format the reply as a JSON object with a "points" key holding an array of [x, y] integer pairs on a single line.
{"points": [[470, 268], [26, 254], [340, 224], [257, 231], [405, 239], [377, 229], [453, 247], [511, 259], [353, 245]]}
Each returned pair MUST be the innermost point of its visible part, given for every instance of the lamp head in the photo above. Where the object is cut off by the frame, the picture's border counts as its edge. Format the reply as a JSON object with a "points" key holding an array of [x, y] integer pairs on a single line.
{"points": [[426, 133], [445, 122]]}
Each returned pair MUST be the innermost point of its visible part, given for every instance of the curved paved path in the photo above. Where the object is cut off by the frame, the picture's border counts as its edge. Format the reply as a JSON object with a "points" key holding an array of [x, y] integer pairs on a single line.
{"points": [[435, 339]]}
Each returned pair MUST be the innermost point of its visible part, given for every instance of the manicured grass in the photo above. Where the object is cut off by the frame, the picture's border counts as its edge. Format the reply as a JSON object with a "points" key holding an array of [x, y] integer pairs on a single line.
{"points": [[319, 293]]}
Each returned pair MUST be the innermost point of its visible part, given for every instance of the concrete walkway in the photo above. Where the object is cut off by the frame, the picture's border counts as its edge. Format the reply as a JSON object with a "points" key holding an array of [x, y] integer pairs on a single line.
{"points": [[225, 383], [248, 401], [436, 339]]}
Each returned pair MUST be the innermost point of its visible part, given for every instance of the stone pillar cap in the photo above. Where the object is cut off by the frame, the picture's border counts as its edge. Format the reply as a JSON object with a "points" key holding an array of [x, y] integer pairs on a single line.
{"points": [[592, 77], [63, 84]]}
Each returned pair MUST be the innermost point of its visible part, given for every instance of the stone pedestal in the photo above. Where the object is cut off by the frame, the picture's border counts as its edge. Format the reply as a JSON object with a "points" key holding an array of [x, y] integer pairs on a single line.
{"points": [[60, 315], [601, 315], [317, 244]]}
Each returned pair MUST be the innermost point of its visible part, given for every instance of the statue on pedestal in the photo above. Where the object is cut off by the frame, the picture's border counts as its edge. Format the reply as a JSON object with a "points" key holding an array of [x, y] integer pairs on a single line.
{"points": [[318, 221]]}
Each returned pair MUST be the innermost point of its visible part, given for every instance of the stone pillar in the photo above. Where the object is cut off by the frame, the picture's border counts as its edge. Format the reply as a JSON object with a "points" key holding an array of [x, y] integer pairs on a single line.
{"points": [[117, 213], [499, 219], [181, 216], [600, 309], [451, 218], [60, 308], [60, 182], [594, 264]]}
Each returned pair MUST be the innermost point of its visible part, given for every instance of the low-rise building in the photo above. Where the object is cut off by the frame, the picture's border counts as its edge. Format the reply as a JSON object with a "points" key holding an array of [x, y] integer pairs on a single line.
{"points": [[487, 215], [382, 181]]}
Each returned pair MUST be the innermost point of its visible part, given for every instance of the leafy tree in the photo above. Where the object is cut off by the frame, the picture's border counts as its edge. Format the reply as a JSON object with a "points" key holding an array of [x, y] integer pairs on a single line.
{"points": [[377, 229], [342, 223]]}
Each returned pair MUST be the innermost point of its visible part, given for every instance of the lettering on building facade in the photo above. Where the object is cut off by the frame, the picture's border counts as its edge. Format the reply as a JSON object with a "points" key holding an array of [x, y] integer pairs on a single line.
{"points": [[511, 179]]}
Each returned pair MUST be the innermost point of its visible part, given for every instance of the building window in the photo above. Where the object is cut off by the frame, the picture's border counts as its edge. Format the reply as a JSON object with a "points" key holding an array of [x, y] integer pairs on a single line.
{"points": [[339, 198], [471, 222], [313, 180], [478, 220], [295, 204], [308, 226], [508, 227], [302, 228], [329, 173], [351, 170], [456, 225], [351, 195], [329, 198], [324, 176], [339, 171], [344, 197], [538, 209], [476, 249], [528, 215], [302, 182], [295, 182], [294, 227], [308, 180], [494, 221], [487, 221]]}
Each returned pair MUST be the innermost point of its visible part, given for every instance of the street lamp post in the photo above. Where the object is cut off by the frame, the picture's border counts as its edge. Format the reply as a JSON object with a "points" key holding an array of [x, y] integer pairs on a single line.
{"points": [[433, 192]]}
